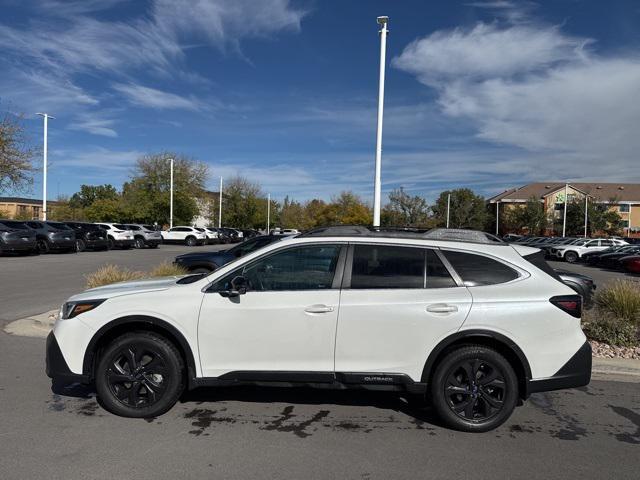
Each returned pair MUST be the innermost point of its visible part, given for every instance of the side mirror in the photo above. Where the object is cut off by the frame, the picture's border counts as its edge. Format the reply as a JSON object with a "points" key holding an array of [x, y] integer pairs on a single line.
{"points": [[238, 287]]}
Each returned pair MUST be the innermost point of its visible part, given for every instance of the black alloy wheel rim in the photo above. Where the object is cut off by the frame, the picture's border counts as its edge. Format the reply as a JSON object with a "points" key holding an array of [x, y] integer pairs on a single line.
{"points": [[80, 245], [43, 246], [475, 390], [137, 376], [139, 243]]}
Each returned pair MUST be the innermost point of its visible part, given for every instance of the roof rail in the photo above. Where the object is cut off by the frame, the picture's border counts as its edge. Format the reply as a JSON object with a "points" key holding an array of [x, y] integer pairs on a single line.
{"points": [[444, 234]]}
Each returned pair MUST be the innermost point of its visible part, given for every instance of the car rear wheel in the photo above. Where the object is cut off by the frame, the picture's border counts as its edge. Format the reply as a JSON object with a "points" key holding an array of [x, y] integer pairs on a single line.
{"points": [[140, 375], [139, 242], [190, 241], [571, 257], [474, 389], [81, 245], [111, 243]]}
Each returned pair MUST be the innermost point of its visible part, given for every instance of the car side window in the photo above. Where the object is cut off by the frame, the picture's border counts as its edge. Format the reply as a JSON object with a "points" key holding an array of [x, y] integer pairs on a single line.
{"points": [[592, 243], [475, 270], [381, 266], [299, 268], [437, 274], [606, 243]]}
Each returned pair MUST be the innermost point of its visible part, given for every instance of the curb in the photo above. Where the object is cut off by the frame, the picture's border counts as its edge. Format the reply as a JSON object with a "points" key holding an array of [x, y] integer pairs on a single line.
{"points": [[626, 367]]}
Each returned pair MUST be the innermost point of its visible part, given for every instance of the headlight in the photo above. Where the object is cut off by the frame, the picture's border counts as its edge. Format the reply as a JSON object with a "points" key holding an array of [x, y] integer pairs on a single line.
{"points": [[73, 309]]}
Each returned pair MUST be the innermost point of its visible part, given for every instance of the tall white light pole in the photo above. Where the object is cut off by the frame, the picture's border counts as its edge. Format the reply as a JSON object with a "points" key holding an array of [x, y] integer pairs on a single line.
{"points": [[171, 194], [586, 207], [448, 207], [220, 206], [497, 216], [46, 117], [383, 21], [268, 213], [564, 220]]}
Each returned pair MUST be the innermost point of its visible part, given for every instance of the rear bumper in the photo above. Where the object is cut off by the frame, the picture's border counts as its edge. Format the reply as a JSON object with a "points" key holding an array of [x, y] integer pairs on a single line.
{"points": [[56, 366], [575, 373], [153, 241], [96, 242], [63, 244], [123, 243], [18, 246]]}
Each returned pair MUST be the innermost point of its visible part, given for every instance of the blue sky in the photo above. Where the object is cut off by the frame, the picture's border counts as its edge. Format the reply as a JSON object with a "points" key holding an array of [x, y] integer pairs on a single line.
{"points": [[486, 95]]}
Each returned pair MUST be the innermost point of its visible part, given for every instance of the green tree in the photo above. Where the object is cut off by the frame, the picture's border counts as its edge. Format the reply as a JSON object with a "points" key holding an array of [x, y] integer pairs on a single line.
{"points": [[291, 214], [242, 205], [146, 197], [600, 218], [106, 210], [345, 209], [405, 210], [467, 210], [63, 210], [88, 194], [531, 216], [16, 155]]}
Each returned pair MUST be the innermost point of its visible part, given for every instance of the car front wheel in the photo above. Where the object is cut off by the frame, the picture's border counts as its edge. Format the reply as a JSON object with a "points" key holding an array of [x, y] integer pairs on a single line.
{"points": [[190, 241], [139, 243], [139, 375], [474, 389]]}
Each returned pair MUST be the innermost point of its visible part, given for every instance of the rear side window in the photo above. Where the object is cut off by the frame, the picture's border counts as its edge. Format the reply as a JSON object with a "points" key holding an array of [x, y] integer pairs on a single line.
{"points": [[478, 270], [437, 274], [376, 266]]}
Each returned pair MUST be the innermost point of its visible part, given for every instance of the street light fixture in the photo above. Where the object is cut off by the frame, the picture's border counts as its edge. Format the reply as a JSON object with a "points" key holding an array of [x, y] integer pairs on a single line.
{"points": [[46, 117], [383, 22]]}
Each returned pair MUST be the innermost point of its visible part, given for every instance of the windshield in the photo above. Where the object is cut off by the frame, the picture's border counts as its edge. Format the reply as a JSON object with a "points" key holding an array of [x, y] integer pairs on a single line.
{"points": [[133, 227], [121, 227]]}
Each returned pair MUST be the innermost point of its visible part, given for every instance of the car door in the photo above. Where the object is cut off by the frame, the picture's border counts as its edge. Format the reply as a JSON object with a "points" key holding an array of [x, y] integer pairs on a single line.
{"points": [[397, 303], [286, 320]]}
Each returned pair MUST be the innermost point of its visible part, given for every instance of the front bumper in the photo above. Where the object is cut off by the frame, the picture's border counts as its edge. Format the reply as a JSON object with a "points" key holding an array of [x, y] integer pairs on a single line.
{"points": [[18, 246], [56, 366], [575, 373]]}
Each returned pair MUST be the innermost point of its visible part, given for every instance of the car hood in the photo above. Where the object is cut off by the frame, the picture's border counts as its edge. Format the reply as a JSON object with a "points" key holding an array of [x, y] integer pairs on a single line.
{"points": [[202, 254], [127, 288], [219, 258]]}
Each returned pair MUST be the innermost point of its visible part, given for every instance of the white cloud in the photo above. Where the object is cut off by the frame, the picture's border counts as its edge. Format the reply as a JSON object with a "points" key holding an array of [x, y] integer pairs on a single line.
{"points": [[95, 124], [153, 98], [487, 51], [571, 112], [98, 160]]}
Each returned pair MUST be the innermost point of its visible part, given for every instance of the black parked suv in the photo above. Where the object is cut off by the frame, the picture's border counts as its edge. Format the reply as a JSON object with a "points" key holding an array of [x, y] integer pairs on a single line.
{"points": [[15, 236], [89, 235], [53, 236], [206, 262]]}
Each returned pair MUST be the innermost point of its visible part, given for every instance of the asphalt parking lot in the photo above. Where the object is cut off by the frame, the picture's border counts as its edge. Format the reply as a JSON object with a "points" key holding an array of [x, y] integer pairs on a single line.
{"points": [[250, 432]]}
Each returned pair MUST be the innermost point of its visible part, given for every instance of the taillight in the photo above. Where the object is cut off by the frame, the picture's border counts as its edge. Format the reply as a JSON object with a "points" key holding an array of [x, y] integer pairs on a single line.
{"points": [[572, 304]]}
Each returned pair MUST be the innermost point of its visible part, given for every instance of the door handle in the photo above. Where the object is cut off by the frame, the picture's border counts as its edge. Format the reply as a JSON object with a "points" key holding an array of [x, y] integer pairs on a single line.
{"points": [[318, 309], [441, 308]]}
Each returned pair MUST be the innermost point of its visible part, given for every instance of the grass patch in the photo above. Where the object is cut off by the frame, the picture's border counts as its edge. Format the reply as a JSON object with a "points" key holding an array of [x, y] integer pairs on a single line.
{"points": [[605, 328], [113, 274], [621, 299]]}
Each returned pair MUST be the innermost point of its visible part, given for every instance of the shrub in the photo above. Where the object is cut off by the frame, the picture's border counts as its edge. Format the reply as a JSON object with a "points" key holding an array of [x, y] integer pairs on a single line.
{"points": [[168, 269], [111, 274], [611, 330], [622, 299]]}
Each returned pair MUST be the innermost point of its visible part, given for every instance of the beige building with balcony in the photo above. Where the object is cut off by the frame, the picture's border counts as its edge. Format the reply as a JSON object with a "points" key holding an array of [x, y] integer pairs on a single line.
{"points": [[624, 198]]}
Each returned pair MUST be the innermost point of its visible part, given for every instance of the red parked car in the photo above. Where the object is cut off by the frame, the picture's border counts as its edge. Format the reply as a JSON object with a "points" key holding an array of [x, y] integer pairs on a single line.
{"points": [[631, 263]]}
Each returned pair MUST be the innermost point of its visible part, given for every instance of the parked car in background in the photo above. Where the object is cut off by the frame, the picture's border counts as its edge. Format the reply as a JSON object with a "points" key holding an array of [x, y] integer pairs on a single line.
{"points": [[592, 258], [248, 233], [612, 260], [144, 235], [205, 262], [573, 252], [581, 284], [118, 235], [511, 237], [232, 234], [89, 236], [285, 231], [632, 240], [631, 264], [213, 237], [16, 237], [189, 236], [53, 236]]}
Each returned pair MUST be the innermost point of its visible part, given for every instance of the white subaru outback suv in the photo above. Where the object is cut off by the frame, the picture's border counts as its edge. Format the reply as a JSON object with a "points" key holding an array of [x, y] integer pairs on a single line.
{"points": [[471, 323]]}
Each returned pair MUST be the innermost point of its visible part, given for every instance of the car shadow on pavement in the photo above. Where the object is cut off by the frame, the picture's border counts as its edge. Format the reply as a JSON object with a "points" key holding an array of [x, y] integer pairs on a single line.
{"points": [[391, 401]]}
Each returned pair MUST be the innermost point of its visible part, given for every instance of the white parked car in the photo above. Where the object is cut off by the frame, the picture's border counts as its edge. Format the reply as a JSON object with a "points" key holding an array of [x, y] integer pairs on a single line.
{"points": [[190, 236], [118, 235], [212, 235], [472, 325], [574, 251], [145, 235]]}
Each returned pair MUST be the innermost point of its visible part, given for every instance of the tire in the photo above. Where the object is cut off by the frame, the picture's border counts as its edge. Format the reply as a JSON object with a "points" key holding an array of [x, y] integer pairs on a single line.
{"points": [[111, 244], [474, 404], [139, 242], [81, 245], [140, 392], [43, 246], [190, 241], [571, 257]]}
